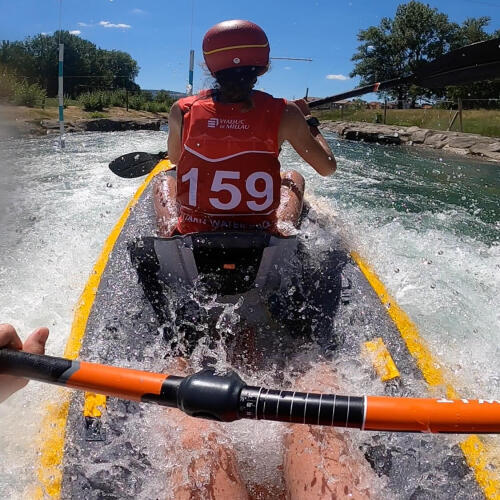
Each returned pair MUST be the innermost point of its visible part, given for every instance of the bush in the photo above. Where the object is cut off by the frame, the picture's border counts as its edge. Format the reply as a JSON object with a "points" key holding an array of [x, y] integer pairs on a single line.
{"points": [[118, 98], [29, 95], [147, 96], [164, 107], [8, 83], [94, 101], [152, 107], [136, 102]]}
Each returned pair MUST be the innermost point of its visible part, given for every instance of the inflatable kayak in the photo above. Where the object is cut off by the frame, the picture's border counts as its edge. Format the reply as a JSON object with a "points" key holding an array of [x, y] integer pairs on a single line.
{"points": [[254, 301]]}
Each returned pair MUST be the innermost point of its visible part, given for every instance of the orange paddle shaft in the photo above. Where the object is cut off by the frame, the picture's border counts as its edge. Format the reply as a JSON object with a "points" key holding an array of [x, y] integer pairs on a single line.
{"points": [[227, 397]]}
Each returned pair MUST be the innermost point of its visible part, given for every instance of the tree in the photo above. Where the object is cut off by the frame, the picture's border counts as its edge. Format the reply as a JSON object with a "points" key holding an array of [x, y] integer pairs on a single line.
{"points": [[400, 46], [86, 67], [472, 31]]}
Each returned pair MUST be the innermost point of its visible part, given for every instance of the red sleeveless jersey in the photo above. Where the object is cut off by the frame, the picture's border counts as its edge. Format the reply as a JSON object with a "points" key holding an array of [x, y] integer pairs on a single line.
{"points": [[228, 176]]}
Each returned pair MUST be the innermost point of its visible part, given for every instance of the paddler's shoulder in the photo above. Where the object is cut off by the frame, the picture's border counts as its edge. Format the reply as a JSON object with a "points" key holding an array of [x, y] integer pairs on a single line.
{"points": [[292, 115], [260, 95], [186, 102]]}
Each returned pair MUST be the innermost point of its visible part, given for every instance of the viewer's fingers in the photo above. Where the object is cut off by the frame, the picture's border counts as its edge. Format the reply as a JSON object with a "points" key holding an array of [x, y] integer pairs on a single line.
{"points": [[9, 337], [35, 343]]}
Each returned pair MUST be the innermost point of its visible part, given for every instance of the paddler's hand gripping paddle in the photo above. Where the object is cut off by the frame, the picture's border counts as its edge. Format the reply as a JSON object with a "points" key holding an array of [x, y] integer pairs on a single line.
{"points": [[227, 398]]}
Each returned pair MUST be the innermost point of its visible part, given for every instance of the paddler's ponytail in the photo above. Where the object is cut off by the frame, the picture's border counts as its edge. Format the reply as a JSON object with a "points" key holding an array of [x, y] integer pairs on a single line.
{"points": [[236, 84]]}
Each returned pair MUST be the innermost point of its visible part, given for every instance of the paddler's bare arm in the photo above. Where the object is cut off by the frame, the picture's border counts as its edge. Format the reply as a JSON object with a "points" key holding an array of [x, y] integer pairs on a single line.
{"points": [[306, 140], [175, 134]]}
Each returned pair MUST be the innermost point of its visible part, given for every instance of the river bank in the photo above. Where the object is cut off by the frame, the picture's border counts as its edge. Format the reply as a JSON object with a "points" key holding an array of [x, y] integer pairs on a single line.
{"points": [[452, 142], [21, 121]]}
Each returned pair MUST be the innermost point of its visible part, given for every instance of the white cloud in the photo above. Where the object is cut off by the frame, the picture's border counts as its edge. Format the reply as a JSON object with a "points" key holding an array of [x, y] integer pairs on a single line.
{"points": [[337, 77], [43, 33], [84, 24], [107, 24], [75, 32], [287, 67], [138, 11]]}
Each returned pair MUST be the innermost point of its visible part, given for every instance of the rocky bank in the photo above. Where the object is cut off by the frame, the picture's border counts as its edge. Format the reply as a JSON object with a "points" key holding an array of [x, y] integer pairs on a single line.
{"points": [[453, 142], [103, 125]]}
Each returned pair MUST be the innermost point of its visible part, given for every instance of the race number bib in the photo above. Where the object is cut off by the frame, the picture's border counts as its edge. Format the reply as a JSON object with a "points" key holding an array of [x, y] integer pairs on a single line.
{"points": [[226, 185]]}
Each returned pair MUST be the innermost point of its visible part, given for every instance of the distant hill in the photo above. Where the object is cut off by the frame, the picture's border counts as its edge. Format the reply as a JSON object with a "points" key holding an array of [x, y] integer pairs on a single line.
{"points": [[172, 93]]}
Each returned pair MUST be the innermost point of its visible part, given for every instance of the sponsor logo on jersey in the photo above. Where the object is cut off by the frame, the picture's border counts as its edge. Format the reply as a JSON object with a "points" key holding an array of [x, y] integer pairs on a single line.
{"points": [[213, 122], [228, 123]]}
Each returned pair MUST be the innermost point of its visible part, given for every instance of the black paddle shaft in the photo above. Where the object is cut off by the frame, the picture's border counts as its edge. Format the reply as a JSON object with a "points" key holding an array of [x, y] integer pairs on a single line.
{"points": [[475, 62]]}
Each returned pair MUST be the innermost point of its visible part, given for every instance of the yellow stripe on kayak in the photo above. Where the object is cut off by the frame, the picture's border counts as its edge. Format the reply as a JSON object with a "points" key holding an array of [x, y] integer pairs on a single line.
{"points": [[94, 405], [429, 367], [84, 304], [53, 428], [381, 359], [476, 453], [52, 434], [478, 459]]}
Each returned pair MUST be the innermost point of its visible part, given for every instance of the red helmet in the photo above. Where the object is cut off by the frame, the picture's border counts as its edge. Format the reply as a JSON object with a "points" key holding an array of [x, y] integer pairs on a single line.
{"points": [[235, 43]]}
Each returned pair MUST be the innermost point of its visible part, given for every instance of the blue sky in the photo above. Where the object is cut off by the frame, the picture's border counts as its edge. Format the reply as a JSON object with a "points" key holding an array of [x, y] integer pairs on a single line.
{"points": [[157, 34]]}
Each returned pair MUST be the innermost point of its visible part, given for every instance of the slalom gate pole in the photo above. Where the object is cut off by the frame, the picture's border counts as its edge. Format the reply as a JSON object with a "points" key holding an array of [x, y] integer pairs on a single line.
{"points": [[227, 398], [60, 95], [191, 72]]}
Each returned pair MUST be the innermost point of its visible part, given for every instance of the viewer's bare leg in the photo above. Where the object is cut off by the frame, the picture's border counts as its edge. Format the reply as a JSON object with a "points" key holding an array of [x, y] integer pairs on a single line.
{"points": [[292, 198], [164, 198], [208, 467], [206, 464], [318, 461]]}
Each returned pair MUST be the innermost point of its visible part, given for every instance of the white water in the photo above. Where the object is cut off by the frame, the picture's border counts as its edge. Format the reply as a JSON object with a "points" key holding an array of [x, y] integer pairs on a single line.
{"points": [[439, 256]]}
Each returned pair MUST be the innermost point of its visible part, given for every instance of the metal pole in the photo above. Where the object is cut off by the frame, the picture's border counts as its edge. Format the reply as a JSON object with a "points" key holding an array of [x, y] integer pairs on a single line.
{"points": [[293, 58], [61, 96], [460, 114], [191, 72]]}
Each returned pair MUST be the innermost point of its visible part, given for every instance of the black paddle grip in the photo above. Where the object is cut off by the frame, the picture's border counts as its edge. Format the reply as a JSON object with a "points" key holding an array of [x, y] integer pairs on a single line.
{"points": [[211, 396], [302, 407], [34, 366]]}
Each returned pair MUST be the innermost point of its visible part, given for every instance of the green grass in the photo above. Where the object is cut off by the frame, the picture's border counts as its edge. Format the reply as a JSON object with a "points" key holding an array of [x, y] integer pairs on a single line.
{"points": [[98, 114], [475, 121]]}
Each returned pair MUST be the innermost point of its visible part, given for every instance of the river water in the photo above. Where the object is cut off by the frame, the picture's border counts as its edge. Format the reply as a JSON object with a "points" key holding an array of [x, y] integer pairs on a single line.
{"points": [[427, 223]]}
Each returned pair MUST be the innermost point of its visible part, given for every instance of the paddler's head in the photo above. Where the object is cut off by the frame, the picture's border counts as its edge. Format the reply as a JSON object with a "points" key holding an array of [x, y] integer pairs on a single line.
{"points": [[236, 52]]}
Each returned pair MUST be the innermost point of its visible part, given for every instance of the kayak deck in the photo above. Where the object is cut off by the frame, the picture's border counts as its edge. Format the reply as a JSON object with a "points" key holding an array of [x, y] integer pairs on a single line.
{"points": [[107, 456]]}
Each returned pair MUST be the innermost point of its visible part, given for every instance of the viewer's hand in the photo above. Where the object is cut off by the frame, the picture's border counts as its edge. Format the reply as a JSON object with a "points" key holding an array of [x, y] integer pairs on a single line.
{"points": [[303, 106], [35, 344]]}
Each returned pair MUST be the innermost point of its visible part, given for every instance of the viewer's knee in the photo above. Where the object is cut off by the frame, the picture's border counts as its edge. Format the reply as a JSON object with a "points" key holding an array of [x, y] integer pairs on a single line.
{"points": [[293, 180]]}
